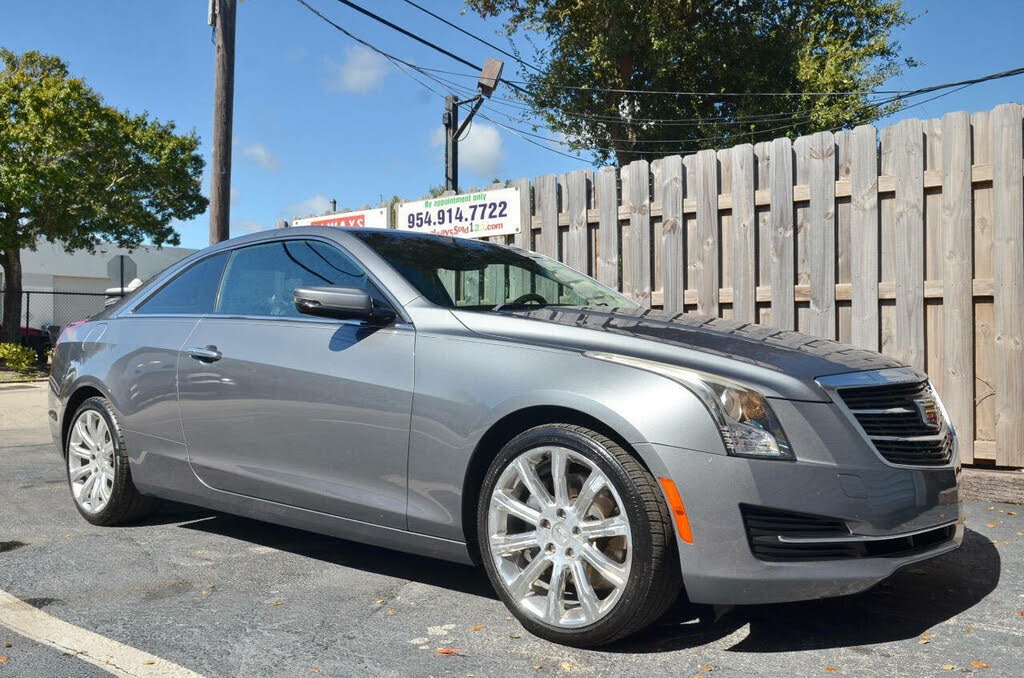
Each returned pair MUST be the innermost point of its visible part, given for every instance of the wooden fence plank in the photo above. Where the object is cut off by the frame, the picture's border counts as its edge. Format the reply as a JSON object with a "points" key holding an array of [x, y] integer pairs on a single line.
{"points": [[578, 254], [608, 227], [909, 243], [762, 152], [933, 250], [984, 311], [744, 229], [706, 278], [518, 282], [1008, 264], [821, 235], [673, 253], [546, 197], [782, 253], [957, 295], [864, 238], [636, 239], [657, 230]]}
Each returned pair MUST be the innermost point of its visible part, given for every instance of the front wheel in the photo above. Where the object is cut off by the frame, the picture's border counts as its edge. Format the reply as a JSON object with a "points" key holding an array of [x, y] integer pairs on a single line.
{"points": [[575, 536]]}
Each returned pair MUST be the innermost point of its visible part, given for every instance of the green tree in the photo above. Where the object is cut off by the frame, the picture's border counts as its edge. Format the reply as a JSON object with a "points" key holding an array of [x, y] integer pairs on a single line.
{"points": [[76, 171], [587, 48]]}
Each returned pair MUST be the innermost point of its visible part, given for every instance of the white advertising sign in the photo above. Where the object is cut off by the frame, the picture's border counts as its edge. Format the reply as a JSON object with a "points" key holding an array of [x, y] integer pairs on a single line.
{"points": [[470, 215], [375, 218]]}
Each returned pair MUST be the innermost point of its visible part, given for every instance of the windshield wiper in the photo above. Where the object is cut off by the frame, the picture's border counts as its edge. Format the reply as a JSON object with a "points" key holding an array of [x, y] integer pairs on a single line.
{"points": [[520, 305]]}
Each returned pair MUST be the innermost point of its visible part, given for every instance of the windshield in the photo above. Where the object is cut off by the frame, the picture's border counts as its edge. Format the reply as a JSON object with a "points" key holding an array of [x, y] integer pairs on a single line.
{"points": [[476, 275]]}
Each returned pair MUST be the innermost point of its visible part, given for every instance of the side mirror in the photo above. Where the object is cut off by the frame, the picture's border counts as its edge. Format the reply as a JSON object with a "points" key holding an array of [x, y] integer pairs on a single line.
{"points": [[338, 302]]}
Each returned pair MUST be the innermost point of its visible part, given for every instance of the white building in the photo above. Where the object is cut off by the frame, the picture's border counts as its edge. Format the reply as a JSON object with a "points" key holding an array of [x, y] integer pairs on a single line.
{"points": [[63, 287]]}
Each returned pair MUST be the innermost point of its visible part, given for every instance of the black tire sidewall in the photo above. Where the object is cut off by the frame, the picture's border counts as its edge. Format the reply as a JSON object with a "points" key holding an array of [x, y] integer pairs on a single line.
{"points": [[122, 491], [641, 571]]}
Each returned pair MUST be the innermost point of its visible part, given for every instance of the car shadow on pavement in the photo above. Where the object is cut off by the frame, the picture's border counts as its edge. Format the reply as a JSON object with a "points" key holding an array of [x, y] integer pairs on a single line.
{"points": [[904, 606], [373, 559]]}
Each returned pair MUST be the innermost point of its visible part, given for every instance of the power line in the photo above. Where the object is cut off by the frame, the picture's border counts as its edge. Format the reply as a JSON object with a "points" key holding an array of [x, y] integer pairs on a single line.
{"points": [[460, 29], [403, 65], [396, 27]]}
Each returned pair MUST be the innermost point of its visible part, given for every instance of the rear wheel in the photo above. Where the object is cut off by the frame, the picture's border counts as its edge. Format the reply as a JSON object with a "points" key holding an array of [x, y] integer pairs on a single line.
{"points": [[576, 537], [97, 467]]}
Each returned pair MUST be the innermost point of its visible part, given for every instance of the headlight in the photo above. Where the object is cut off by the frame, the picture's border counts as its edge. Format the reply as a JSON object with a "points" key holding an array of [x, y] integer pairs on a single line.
{"points": [[748, 425]]}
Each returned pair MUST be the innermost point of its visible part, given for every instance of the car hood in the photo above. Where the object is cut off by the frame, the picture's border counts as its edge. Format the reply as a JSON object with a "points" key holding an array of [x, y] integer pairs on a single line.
{"points": [[780, 363]]}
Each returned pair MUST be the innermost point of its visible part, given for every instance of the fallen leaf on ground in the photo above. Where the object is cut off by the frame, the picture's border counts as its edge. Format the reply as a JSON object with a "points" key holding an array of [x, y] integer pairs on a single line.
{"points": [[969, 629], [948, 667], [992, 524], [979, 665], [7, 645], [453, 651], [391, 610], [705, 668], [566, 666], [276, 603], [1011, 513], [313, 669], [1021, 613], [379, 601], [149, 662], [3, 658], [923, 641], [991, 508], [1006, 543], [831, 669], [514, 635], [478, 627], [538, 667]]}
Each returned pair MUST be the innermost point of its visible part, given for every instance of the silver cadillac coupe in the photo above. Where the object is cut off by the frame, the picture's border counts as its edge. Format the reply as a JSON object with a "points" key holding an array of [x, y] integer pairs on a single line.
{"points": [[483, 404]]}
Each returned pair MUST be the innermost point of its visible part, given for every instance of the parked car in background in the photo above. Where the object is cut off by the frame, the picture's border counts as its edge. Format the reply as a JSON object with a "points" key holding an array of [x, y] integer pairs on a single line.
{"points": [[477, 403]]}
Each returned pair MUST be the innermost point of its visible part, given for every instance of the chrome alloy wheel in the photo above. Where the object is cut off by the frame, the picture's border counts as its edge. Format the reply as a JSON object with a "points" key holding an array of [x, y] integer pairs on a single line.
{"points": [[91, 461], [559, 537]]}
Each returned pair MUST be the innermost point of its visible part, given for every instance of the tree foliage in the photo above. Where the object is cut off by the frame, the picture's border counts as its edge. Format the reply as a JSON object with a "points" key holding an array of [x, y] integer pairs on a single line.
{"points": [[77, 171], [585, 48]]}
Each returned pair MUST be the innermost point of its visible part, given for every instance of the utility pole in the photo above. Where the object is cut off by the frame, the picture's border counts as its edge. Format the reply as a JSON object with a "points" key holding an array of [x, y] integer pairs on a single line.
{"points": [[451, 143], [489, 78], [222, 18]]}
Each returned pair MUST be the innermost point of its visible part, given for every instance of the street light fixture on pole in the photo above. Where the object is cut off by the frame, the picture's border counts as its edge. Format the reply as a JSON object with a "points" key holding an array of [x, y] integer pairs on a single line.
{"points": [[489, 78]]}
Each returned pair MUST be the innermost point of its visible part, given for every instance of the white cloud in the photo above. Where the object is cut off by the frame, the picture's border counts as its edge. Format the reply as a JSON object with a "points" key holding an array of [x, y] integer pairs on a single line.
{"points": [[260, 155], [359, 73], [316, 204], [481, 150]]}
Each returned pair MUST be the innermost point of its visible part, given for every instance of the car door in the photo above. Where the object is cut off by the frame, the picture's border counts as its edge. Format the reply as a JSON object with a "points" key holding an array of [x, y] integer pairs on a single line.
{"points": [[303, 411]]}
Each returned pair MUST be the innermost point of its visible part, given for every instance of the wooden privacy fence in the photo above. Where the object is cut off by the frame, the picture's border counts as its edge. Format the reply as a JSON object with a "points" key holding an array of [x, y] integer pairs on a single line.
{"points": [[910, 242]]}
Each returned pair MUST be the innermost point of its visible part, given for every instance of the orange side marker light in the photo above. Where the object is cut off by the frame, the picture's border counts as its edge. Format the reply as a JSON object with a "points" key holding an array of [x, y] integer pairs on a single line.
{"points": [[675, 503]]}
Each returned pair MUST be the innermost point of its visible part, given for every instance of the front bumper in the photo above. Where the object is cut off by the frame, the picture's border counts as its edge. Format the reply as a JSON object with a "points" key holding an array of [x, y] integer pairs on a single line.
{"points": [[837, 474]]}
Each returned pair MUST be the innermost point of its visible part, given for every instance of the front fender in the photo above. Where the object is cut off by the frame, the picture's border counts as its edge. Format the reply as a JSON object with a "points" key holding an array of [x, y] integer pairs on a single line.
{"points": [[459, 399]]}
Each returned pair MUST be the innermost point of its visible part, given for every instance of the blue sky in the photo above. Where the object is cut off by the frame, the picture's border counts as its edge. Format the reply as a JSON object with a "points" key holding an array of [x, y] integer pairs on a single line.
{"points": [[318, 118]]}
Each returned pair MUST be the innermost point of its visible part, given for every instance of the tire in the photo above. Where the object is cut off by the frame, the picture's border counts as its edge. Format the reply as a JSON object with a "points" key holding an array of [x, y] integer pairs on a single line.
{"points": [[106, 462], [638, 577]]}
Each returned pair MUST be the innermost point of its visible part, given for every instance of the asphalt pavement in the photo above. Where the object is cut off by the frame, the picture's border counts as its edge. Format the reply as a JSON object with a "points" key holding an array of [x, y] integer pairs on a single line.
{"points": [[226, 596]]}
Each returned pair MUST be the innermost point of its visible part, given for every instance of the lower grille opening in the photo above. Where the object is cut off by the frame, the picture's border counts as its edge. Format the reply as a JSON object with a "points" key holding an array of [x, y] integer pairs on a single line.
{"points": [[765, 527]]}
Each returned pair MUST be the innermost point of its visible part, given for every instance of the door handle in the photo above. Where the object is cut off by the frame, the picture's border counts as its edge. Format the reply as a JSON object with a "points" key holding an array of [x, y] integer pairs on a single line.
{"points": [[204, 354]]}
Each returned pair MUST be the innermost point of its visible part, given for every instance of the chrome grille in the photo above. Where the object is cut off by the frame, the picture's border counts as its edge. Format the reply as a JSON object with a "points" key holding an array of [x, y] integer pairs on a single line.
{"points": [[893, 417]]}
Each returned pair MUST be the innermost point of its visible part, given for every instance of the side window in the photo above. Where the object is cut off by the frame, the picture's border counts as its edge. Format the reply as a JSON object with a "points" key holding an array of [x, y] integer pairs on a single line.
{"points": [[260, 280], [192, 291]]}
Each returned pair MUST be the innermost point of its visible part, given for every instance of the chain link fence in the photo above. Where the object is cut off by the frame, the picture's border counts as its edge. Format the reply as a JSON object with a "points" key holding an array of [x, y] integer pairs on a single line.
{"points": [[45, 312]]}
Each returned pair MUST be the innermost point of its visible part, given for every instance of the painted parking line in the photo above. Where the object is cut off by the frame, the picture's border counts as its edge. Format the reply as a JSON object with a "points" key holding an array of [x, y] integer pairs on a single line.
{"points": [[111, 656]]}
